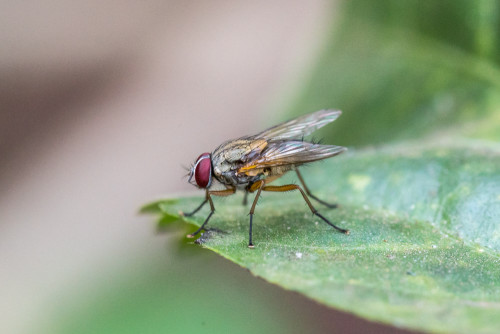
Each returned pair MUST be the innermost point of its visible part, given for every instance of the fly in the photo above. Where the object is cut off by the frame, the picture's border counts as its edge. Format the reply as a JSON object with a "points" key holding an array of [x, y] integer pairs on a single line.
{"points": [[251, 163]]}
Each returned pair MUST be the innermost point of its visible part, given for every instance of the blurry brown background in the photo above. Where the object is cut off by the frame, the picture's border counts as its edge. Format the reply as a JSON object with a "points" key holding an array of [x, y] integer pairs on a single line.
{"points": [[101, 102]]}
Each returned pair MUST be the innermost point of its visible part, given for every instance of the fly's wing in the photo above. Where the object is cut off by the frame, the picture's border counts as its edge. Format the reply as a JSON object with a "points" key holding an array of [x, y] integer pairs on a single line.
{"points": [[292, 152], [300, 127]]}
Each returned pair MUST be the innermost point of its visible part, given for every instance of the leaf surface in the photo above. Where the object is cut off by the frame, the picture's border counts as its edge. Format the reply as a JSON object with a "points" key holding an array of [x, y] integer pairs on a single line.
{"points": [[424, 247]]}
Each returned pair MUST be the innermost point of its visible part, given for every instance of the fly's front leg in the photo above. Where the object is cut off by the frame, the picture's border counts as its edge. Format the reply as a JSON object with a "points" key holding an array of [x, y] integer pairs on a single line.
{"points": [[212, 210], [289, 187], [208, 198], [329, 205], [259, 185], [189, 214]]}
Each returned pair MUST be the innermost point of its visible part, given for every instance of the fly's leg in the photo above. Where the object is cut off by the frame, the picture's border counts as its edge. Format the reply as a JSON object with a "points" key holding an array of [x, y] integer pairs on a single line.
{"points": [[189, 214], [208, 198], [192, 235], [257, 185], [245, 199], [212, 210], [289, 187], [331, 206]]}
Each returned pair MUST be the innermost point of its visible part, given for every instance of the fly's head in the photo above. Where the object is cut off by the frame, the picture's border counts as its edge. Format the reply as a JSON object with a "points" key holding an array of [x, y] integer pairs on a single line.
{"points": [[201, 171]]}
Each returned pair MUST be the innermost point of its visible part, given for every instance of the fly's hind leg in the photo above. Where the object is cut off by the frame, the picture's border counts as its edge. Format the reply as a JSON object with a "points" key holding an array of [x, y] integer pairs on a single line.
{"points": [[329, 205], [208, 198], [259, 185], [289, 187]]}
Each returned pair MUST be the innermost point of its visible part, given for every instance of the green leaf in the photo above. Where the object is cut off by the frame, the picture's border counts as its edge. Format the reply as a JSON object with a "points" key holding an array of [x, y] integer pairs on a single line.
{"points": [[154, 207], [424, 247]]}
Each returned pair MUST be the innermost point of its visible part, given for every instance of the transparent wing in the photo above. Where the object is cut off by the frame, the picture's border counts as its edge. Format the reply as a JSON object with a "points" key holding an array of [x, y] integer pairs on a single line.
{"points": [[291, 153], [300, 126]]}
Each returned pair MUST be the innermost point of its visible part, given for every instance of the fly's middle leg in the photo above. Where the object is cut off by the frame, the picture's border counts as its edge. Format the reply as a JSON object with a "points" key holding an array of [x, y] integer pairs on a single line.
{"points": [[329, 205], [259, 185], [315, 212]]}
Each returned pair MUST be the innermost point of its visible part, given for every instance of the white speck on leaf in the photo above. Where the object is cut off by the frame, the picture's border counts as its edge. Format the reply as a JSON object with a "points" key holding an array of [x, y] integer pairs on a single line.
{"points": [[298, 255], [359, 182]]}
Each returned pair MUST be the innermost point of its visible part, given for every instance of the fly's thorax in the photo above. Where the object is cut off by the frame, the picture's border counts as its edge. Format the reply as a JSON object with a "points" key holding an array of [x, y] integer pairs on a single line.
{"points": [[224, 163], [223, 171], [229, 157], [234, 151], [220, 165], [226, 173]]}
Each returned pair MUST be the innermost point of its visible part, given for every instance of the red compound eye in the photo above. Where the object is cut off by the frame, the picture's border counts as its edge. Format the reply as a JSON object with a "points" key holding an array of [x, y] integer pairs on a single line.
{"points": [[203, 170]]}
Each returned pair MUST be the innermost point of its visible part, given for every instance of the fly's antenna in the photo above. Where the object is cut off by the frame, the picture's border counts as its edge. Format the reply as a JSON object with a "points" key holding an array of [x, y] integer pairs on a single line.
{"points": [[189, 170]]}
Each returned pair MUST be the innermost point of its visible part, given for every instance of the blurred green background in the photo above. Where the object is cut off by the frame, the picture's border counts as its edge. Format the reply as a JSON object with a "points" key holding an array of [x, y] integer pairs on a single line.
{"points": [[182, 290], [405, 69]]}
